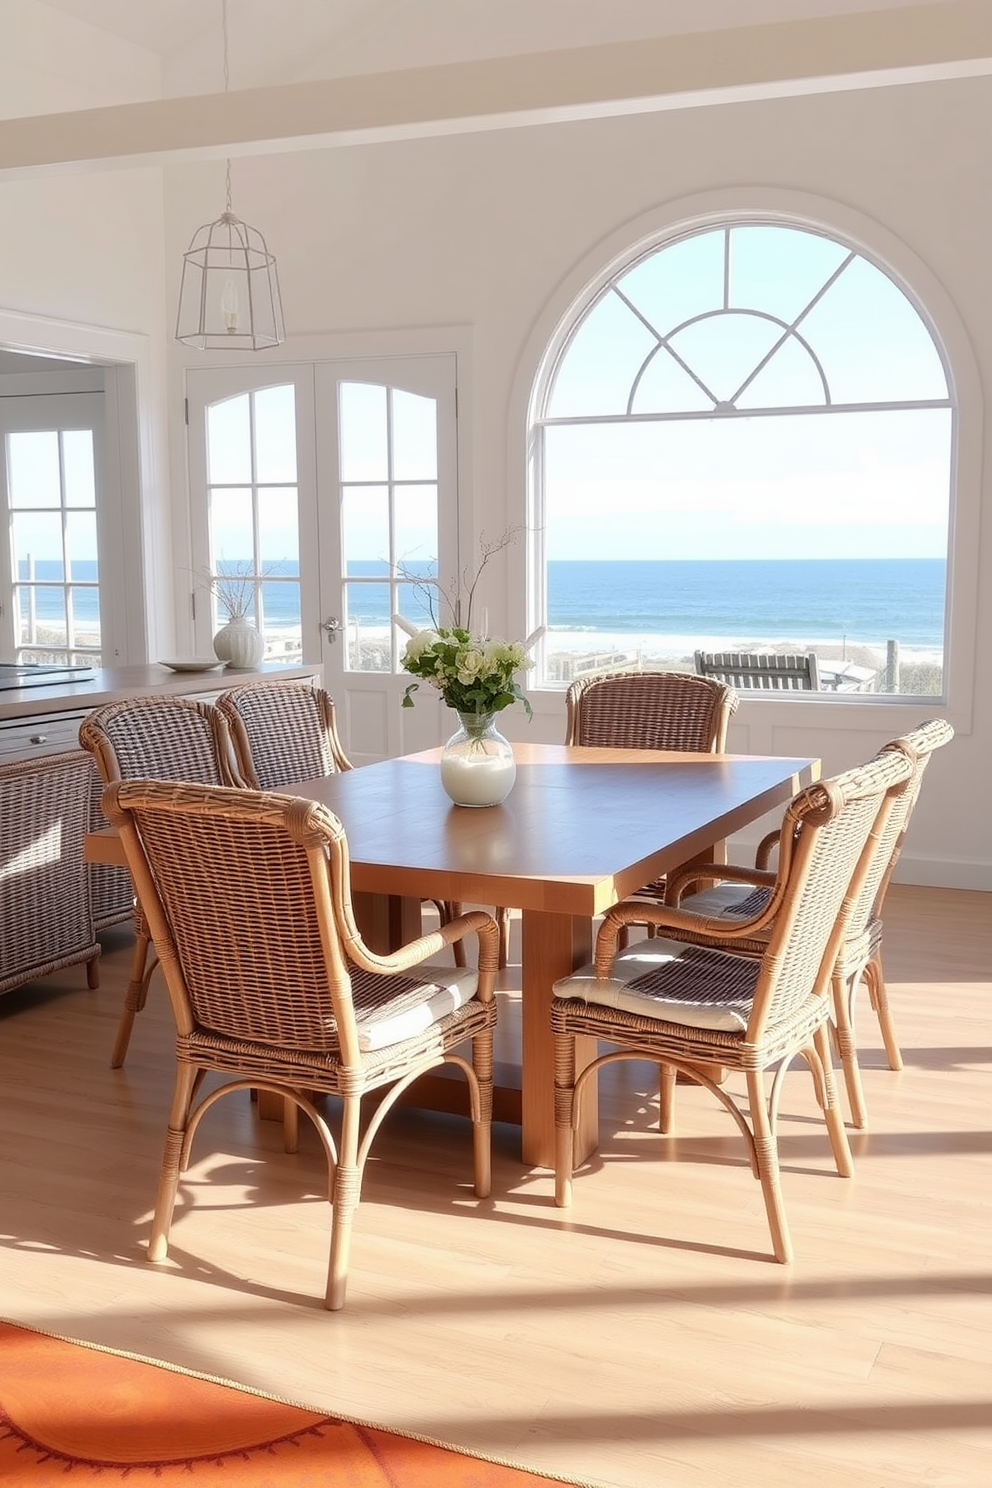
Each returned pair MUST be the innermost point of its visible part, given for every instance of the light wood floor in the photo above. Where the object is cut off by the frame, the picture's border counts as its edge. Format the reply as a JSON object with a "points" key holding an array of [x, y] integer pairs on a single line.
{"points": [[645, 1338]]}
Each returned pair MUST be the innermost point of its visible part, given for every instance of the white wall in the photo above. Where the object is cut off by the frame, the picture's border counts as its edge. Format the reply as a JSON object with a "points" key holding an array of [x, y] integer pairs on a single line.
{"points": [[87, 247], [482, 230], [82, 265], [50, 62]]}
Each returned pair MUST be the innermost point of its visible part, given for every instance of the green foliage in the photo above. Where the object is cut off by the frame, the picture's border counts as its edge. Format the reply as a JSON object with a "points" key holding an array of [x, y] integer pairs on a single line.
{"points": [[473, 675]]}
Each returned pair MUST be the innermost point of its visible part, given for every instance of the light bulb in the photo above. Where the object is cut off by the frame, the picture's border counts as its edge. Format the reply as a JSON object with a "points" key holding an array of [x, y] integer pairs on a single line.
{"points": [[229, 306]]}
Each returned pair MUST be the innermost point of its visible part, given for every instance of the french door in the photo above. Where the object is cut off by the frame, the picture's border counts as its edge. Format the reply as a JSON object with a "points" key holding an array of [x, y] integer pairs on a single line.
{"points": [[329, 491]]}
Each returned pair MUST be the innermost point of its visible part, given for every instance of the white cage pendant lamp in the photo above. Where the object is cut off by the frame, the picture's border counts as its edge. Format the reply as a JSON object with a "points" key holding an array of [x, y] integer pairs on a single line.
{"points": [[229, 294]]}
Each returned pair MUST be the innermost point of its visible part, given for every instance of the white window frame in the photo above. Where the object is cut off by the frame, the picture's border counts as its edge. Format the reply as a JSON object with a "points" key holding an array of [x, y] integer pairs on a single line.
{"points": [[134, 533], [215, 384], [609, 258]]}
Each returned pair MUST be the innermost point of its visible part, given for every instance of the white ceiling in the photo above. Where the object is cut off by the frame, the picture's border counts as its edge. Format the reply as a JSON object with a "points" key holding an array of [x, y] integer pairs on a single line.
{"points": [[288, 40]]}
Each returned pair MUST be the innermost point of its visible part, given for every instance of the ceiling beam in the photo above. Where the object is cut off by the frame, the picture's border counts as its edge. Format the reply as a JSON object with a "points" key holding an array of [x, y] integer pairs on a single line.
{"points": [[911, 43]]}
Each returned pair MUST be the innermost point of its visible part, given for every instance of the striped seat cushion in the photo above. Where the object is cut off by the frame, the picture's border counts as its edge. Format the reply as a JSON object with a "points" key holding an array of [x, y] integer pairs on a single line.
{"points": [[389, 1009], [675, 983]]}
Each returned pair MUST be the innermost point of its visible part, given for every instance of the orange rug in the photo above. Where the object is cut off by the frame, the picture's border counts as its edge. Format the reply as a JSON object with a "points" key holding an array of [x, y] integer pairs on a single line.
{"points": [[66, 1405]]}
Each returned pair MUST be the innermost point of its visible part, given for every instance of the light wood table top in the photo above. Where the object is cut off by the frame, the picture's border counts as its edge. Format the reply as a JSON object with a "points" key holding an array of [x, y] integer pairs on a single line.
{"points": [[581, 828]]}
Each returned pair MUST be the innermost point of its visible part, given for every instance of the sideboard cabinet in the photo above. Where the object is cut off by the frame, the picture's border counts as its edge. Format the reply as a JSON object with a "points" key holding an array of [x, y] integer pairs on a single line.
{"points": [[51, 907]]}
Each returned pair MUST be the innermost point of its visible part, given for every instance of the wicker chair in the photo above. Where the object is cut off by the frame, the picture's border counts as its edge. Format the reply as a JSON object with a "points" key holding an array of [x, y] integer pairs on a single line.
{"points": [[45, 907], [110, 888], [692, 1006], [650, 710], [154, 738], [282, 732], [860, 958], [249, 902]]}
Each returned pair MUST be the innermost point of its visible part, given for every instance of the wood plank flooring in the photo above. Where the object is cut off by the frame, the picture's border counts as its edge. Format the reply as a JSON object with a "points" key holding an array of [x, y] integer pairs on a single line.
{"points": [[644, 1338]]}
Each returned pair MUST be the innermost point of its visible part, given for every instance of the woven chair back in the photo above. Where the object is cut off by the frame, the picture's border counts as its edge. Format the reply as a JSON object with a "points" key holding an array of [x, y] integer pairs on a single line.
{"points": [[239, 890], [918, 746], [650, 710], [159, 738], [826, 848], [282, 732]]}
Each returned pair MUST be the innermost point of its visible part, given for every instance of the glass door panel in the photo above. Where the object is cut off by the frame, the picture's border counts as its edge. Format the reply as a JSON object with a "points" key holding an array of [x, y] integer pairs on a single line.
{"points": [[329, 491], [244, 479], [387, 516]]}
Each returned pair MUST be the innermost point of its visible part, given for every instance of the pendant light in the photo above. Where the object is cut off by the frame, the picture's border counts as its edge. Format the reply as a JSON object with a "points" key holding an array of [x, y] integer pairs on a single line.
{"points": [[229, 294]]}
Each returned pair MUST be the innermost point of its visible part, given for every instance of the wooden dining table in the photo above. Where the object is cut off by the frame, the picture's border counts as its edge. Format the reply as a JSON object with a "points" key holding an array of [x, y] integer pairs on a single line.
{"points": [[582, 828]]}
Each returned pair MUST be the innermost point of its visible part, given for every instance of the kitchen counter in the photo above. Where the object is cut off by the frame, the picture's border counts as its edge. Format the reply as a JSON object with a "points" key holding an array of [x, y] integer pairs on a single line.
{"points": [[113, 684]]}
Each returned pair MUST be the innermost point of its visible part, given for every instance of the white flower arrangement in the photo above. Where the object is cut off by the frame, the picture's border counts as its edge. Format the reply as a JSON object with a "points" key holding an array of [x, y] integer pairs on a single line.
{"points": [[473, 674]]}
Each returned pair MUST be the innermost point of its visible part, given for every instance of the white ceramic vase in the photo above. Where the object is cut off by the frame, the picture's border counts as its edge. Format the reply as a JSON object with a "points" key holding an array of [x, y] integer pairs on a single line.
{"points": [[239, 643], [477, 763]]}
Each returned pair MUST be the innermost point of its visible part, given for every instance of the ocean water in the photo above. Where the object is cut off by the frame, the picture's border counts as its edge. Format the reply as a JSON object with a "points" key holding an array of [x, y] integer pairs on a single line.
{"points": [[861, 600], [864, 600]]}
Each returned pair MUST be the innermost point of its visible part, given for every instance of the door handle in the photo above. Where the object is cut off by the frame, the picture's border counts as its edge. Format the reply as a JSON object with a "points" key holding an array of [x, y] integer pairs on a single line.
{"points": [[332, 625]]}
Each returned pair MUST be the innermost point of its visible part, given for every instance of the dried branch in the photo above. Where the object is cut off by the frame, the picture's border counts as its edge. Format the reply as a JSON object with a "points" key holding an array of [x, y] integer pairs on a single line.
{"points": [[457, 596]]}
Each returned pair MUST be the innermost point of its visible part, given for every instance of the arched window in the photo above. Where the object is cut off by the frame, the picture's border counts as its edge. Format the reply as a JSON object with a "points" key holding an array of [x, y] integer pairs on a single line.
{"points": [[743, 444]]}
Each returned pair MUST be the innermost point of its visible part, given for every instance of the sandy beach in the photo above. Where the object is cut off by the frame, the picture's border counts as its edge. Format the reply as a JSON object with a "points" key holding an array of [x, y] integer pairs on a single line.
{"points": [[644, 647]]}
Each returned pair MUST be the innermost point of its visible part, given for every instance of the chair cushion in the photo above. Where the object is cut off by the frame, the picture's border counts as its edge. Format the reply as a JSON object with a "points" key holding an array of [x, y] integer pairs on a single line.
{"points": [[389, 1009], [689, 985], [727, 899]]}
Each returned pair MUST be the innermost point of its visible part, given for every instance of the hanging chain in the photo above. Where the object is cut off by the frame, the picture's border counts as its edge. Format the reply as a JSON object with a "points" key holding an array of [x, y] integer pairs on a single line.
{"points": [[227, 84]]}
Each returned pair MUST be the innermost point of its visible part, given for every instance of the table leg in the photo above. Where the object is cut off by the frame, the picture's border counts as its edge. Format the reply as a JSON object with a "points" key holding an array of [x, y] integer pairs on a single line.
{"points": [[386, 920], [553, 946]]}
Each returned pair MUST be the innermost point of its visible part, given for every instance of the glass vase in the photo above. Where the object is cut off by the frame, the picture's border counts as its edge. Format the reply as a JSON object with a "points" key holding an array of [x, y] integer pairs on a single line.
{"points": [[477, 764]]}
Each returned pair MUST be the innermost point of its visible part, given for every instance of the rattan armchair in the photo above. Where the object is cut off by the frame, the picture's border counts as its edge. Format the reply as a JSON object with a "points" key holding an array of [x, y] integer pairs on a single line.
{"points": [[46, 920], [248, 899], [715, 1002], [860, 956], [650, 710], [282, 732], [154, 738]]}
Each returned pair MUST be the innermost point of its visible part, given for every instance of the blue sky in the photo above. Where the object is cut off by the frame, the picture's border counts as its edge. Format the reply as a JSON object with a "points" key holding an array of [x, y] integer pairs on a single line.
{"points": [[866, 483], [693, 336]]}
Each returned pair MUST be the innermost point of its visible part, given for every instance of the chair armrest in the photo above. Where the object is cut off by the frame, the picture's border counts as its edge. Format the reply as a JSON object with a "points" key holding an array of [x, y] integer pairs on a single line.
{"points": [[425, 946], [738, 935], [765, 848], [677, 883]]}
